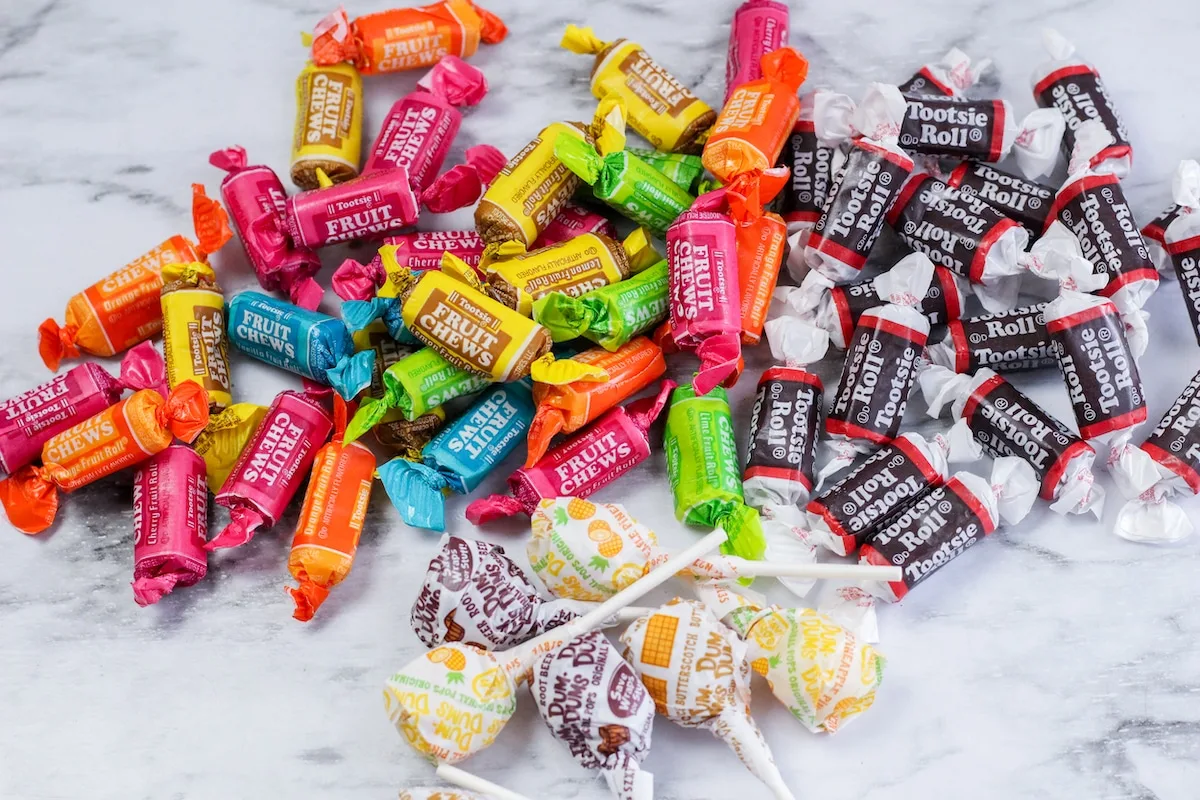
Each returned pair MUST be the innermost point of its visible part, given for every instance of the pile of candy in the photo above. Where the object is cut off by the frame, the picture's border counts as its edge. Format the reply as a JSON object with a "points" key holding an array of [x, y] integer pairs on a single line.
{"points": [[546, 327]]}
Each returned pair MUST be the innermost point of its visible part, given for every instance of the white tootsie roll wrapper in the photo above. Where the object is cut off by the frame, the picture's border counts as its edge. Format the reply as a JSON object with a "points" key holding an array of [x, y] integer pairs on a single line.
{"points": [[796, 341], [1184, 225], [1007, 422], [950, 76], [788, 542], [838, 119], [1035, 141], [1015, 487]]}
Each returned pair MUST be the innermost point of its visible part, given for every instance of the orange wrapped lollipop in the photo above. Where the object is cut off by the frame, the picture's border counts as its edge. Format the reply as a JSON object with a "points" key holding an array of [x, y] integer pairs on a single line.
{"points": [[331, 521], [140, 426], [565, 409], [405, 38], [123, 309], [758, 118]]}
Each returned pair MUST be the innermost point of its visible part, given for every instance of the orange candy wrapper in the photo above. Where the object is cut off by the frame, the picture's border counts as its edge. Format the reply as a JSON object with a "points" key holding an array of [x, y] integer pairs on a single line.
{"points": [[405, 38], [123, 309], [758, 118], [565, 409], [331, 522], [138, 427], [761, 242]]}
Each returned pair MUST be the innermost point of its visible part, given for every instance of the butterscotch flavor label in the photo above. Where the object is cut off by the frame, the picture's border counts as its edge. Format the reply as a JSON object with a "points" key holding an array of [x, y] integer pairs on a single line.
{"points": [[467, 333]]}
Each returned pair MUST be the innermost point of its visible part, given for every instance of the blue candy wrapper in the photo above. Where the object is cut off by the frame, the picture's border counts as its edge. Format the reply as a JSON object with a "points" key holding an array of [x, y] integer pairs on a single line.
{"points": [[460, 456], [358, 314], [308, 343]]}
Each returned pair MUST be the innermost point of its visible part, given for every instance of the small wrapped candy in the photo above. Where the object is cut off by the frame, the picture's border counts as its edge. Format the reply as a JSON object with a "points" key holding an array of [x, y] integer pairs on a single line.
{"points": [[820, 671], [759, 27], [572, 220], [757, 119], [867, 185], [583, 464], [30, 419], [308, 343], [460, 456], [475, 594], [661, 108], [702, 465], [416, 251], [394, 431], [224, 438], [272, 466], [984, 130], [696, 671], [618, 177], [370, 206], [947, 520], [193, 311], [610, 316], [1007, 423], [592, 701], [1013, 196], [815, 164], [170, 521], [122, 309], [566, 409], [1074, 87], [1181, 236], [331, 521], [329, 121], [405, 38], [1007, 341], [951, 76], [254, 197], [127, 433], [785, 425], [685, 170]]}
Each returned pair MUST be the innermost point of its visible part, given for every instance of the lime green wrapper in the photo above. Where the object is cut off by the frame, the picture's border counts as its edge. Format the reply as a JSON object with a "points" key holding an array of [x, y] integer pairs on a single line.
{"points": [[611, 315], [416, 384], [685, 171], [625, 183], [702, 464]]}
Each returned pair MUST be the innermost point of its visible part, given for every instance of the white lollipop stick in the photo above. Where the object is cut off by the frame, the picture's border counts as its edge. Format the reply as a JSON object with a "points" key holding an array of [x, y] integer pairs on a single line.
{"points": [[631, 613], [849, 572], [474, 783]]}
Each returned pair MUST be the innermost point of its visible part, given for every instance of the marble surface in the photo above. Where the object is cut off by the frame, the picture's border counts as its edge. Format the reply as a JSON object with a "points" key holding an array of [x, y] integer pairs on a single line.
{"points": [[1054, 660]]}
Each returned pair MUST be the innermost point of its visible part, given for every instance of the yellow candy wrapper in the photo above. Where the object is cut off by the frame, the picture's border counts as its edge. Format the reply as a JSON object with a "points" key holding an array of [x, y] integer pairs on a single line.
{"points": [[194, 343], [224, 438], [329, 122]]}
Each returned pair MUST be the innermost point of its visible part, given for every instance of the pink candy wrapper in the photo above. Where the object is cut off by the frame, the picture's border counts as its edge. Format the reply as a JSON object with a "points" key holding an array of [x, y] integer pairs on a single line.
{"points": [[417, 251], [759, 27], [951, 76], [583, 464], [367, 207], [170, 520], [273, 466], [572, 221], [462, 185], [255, 199], [30, 419]]}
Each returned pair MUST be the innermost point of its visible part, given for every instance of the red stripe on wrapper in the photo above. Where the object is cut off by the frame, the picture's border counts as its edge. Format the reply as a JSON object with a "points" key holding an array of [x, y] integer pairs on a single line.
{"points": [[869, 555], [1080, 317], [996, 150], [1073, 190], [985, 246], [848, 257], [1175, 464], [1064, 72], [1055, 473], [1125, 278], [1135, 417], [838, 427], [974, 503], [905, 445]]}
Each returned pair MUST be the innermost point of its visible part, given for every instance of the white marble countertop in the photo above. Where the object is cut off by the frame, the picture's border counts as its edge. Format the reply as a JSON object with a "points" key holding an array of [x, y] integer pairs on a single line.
{"points": [[1054, 660]]}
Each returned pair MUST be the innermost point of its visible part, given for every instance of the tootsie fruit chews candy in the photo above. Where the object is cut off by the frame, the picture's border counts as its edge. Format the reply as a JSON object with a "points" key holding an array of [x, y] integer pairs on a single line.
{"points": [[170, 521], [612, 315], [1007, 423], [405, 38], [308, 343], [661, 108], [460, 456], [1150, 474], [30, 419], [582, 464], [370, 206], [945, 521], [255, 199], [867, 185], [1007, 341], [194, 345], [697, 673], [820, 671], [123, 309], [394, 432], [329, 120], [127, 433], [415, 251], [272, 467], [331, 520], [759, 27], [1181, 236], [1073, 86], [951, 76]]}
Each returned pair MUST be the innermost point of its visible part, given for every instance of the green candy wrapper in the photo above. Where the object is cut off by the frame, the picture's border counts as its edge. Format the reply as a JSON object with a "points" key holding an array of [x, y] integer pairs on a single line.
{"points": [[415, 385], [702, 465], [684, 170], [611, 315]]}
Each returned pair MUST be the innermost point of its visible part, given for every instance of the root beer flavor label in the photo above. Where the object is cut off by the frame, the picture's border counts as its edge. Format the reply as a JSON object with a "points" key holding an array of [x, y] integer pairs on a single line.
{"points": [[1077, 91], [858, 202], [929, 534], [893, 477], [1102, 377], [784, 429], [1025, 201], [1175, 443], [811, 164], [954, 229], [946, 126], [1007, 341], [1094, 208], [876, 381], [1185, 256], [1007, 423]]}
